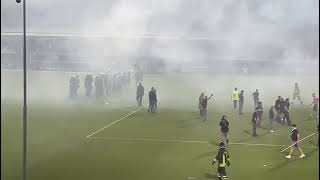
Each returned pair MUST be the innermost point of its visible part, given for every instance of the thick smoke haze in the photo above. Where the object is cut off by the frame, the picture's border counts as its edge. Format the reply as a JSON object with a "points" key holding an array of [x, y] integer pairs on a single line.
{"points": [[180, 32], [236, 29]]}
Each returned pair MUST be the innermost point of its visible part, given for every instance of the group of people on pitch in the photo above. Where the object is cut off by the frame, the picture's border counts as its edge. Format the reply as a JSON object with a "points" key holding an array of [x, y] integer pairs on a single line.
{"points": [[153, 101], [104, 84]]}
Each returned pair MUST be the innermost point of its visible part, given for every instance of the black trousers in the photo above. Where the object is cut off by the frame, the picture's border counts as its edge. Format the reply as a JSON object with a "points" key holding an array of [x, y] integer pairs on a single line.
{"points": [[222, 172]]}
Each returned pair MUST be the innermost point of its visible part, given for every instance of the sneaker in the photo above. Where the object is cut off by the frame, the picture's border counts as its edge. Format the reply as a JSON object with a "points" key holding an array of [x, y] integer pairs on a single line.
{"points": [[288, 157], [271, 130], [302, 156]]}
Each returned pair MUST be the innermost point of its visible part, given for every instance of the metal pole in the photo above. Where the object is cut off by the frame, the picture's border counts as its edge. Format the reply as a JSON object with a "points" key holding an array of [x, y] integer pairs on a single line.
{"points": [[25, 117]]}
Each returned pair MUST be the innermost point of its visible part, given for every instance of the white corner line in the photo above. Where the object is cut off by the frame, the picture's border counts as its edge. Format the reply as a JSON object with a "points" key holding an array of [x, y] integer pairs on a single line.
{"points": [[114, 122]]}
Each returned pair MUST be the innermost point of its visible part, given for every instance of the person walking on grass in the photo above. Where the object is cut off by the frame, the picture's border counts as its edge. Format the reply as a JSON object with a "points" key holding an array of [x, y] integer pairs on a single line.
{"points": [[223, 160], [224, 124], [295, 137]]}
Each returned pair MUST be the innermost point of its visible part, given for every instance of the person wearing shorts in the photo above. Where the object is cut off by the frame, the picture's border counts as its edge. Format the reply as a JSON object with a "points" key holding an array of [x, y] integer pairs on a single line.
{"points": [[295, 137]]}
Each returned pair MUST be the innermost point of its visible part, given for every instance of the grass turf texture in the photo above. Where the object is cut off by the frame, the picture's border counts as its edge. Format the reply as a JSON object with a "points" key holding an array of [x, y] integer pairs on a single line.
{"points": [[58, 147]]}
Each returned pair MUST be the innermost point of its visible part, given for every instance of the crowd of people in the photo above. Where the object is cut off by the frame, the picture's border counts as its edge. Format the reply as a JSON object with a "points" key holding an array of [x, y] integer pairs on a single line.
{"points": [[104, 84]]}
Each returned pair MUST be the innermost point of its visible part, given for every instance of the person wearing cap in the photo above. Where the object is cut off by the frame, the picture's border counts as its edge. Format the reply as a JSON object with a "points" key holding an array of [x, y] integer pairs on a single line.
{"points": [[223, 160], [295, 138]]}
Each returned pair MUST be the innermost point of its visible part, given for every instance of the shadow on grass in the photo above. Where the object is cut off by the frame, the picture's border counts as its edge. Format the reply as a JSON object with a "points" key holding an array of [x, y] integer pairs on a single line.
{"points": [[313, 143], [210, 176], [285, 163], [250, 133], [203, 155], [189, 123]]}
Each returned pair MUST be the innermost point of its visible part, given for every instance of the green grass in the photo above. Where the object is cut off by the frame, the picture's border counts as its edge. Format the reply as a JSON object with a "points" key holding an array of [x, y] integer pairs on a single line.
{"points": [[59, 150]]}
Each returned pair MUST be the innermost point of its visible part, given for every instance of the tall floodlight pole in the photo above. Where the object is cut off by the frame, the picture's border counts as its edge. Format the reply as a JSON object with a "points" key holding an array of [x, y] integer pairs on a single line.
{"points": [[25, 118]]}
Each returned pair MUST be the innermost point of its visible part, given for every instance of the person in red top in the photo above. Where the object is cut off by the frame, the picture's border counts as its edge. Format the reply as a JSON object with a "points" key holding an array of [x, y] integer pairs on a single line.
{"points": [[315, 103]]}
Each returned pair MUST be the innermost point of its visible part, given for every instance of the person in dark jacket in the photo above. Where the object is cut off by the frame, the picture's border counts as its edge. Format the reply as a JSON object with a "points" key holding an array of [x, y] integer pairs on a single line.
{"points": [[241, 102], [224, 124], [254, 123], [286, 109], [152, 100]]}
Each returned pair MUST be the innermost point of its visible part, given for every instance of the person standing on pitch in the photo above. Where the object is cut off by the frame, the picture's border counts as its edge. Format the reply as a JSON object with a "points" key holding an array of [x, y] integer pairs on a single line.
{"points": [[315, 103], [155, 104], [296, 93], [295, 137], [140, 93], [223, 160], [152, 100], [235, 98], [254, 123], [271, 118], [255, 97], [204, 107], [241, 101], [277, 107], [224, 124], [200, 102], [286, 111], [151, 95], [259, 110], [88, 84]]}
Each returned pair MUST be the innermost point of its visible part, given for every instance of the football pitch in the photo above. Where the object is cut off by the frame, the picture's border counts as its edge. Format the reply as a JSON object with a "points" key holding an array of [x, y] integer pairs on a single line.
{"points": [[89, 139]]}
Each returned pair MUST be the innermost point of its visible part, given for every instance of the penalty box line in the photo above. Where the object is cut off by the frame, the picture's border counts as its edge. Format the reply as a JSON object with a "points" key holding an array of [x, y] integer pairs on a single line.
{"points": [[189, 141], [113, 123]]}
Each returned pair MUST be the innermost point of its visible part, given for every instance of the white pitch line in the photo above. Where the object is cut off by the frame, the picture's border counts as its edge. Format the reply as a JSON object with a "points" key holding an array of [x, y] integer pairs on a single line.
{"points": [[114, 122], [187, 141]]}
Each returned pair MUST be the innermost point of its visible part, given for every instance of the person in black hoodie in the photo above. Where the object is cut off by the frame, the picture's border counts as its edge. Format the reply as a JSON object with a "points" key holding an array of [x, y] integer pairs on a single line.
{"points": [[152, 100], [224, 124]]}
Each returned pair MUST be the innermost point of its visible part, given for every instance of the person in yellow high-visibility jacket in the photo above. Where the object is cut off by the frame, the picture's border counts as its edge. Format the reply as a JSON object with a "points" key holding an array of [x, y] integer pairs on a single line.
{"points": [[235, 98], [223, 160]]}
